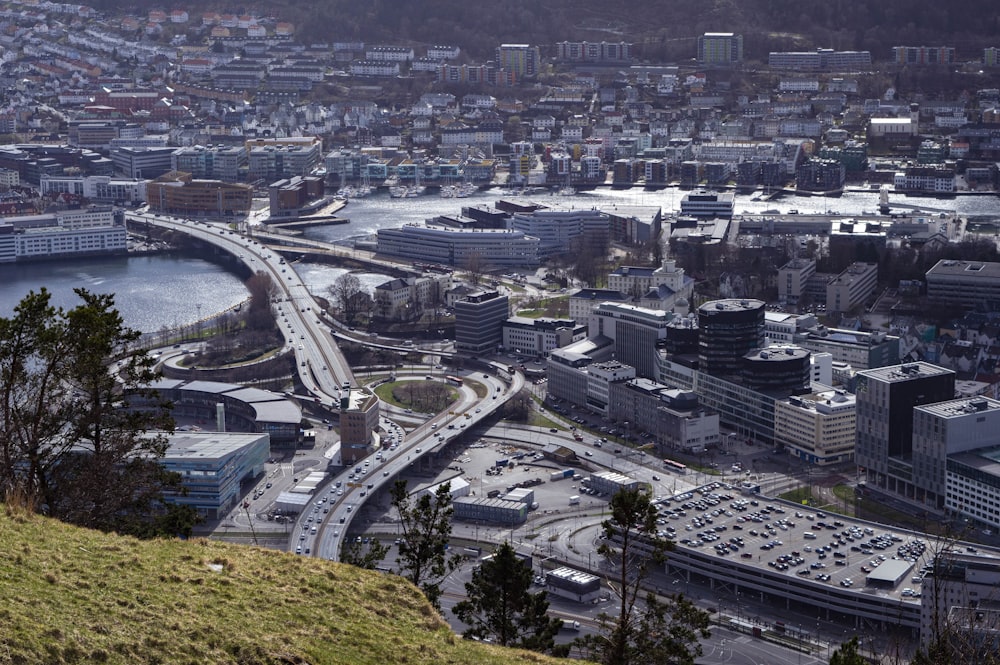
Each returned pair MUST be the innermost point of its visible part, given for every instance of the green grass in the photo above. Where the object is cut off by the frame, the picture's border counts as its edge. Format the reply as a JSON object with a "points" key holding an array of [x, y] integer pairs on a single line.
{"points": [[77, 596], [384, 393]]}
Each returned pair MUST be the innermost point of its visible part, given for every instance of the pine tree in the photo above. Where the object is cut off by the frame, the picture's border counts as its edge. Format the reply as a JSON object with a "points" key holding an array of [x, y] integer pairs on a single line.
{"points": [[501, 607]]}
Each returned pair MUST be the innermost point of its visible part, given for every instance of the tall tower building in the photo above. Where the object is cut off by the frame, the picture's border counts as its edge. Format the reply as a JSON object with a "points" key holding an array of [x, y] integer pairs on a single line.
{"points": [[886, 397], [729, 329], [479, 320]]}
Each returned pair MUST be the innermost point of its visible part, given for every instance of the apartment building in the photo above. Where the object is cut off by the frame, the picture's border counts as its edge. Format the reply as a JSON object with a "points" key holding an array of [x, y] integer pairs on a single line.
{"points": [[720, 48]]}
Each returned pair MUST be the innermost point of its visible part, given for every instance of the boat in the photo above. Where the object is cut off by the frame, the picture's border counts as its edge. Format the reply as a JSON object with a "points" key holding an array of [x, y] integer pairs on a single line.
{"points": [[397, 191], [567, 191]]}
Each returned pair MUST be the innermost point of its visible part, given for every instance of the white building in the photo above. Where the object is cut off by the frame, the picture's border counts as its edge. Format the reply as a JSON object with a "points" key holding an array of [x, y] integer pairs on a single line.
{"points": [[792, 279], [599, 378], [489, 248], [403, 298], [852, 288], [818, 428], [98, 188], [539, 336], [638, 281], [558, 230]]}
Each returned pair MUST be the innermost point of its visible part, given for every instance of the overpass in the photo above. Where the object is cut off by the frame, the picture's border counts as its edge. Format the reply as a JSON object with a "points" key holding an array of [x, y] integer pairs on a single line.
{"points": [[320, 363]]}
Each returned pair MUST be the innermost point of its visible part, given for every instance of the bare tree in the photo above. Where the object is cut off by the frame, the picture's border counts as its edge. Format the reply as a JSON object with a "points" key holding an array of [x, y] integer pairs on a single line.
{"points": [[344, 293]]}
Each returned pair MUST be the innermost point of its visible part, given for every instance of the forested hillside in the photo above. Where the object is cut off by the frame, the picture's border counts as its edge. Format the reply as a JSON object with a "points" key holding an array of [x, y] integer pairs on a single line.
{"points": [[663, 29]]}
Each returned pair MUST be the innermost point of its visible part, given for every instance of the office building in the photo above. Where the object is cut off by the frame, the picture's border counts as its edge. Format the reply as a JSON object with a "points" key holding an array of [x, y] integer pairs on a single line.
{"points": [[359, 413], [818, 428], [479, 320], [792, 279], [635, 332], [539, 336], [707, 204], [852, 288], [729, 329], [180, 194], [490, 249], [566, 368], [966, 284], [720, 48], [959, 583], [212, 467], [860, 350], [563, 231], [943, 429], [676, 418], [221, 162], [972, 486], [600, 376], [886, 399], [777, 368], [142, 162]]}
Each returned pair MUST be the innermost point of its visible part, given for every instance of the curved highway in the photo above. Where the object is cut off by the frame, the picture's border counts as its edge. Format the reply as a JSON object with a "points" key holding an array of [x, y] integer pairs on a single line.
{"points": [[323, 370], [333, 509]]}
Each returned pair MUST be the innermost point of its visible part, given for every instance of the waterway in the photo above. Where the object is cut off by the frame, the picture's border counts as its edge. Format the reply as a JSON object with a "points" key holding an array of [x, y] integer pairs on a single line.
{"points": [[164, 290]]}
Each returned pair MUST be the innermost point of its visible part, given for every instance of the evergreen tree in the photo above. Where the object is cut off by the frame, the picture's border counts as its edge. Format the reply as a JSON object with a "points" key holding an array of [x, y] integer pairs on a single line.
{"points": [[71, 443], [501, 607], [847, 654], [423, 551], [654, 631]]}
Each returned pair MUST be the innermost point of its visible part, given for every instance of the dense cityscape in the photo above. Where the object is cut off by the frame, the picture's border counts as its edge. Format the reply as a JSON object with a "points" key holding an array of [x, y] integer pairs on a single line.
{"points": [[722, 331]]}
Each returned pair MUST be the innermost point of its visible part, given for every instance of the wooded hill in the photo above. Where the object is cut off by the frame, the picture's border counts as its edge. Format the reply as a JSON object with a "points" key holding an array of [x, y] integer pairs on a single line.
{"points": [[660, 29]]}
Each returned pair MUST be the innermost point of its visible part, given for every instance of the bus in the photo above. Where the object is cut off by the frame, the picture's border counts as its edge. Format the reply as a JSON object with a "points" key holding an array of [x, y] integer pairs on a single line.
{"points": [[675, 466], [454, 380]]}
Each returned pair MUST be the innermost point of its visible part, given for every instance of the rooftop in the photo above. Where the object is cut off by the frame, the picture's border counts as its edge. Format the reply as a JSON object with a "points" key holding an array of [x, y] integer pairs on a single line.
{"points": [[905, 372]]}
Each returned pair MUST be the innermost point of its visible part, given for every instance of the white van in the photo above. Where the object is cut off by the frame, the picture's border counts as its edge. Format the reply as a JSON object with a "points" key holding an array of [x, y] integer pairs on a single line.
{"points": [[809, 535], [575, 499]]}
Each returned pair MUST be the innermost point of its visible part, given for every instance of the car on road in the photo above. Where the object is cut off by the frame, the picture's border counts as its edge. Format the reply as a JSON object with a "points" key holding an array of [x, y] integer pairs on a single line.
{"points": [[588, 453]]}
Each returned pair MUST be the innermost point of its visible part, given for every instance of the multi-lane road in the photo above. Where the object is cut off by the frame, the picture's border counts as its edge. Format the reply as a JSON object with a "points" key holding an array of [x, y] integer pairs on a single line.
{"points": [[323, 371], [337, 505]]}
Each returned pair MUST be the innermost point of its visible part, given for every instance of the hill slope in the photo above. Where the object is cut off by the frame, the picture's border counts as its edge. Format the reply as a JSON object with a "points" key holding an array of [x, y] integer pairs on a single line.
{"points": [[660, 28], [76, 596]]}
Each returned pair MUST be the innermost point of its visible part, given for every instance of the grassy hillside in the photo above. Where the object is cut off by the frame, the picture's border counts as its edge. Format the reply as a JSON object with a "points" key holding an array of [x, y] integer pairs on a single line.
{"points": [[76, 596]]}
